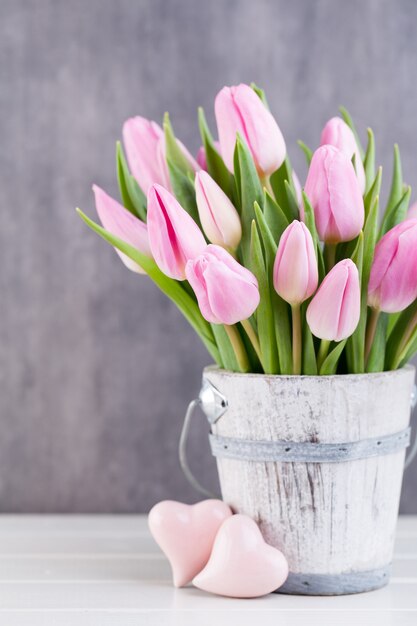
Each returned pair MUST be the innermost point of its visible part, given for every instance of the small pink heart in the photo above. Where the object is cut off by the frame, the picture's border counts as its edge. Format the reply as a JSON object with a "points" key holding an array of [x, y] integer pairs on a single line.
{"points": [[185, 533], [241, 564]]}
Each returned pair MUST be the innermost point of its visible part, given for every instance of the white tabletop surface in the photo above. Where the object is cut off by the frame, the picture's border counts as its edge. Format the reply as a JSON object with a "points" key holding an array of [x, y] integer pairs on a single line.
{"points": [[107, 571]]}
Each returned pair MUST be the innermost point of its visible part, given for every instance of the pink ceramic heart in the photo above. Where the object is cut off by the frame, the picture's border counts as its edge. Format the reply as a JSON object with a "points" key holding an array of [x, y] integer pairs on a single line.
{"points": [[185, 533], [241, 564]]}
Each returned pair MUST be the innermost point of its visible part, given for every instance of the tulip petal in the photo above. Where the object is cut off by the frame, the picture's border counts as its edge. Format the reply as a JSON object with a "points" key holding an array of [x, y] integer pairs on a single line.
{"points": [[231, 299], [174, 237], [141, 138], [333, 313], [121, 223]]}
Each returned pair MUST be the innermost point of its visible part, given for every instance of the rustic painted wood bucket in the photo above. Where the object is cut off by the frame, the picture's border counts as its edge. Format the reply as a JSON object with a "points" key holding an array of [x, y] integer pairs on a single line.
{"points": [[318, 463]]}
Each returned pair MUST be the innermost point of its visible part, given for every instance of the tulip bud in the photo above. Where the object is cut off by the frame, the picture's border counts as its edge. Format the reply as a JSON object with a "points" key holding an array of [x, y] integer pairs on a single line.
{"points": [[393, 280], [240, 110], [121, 223], [144, 141], [174, 237], [218, 216], [335, 195], [333, 314], [295, 267], [338, 134], [141, 138], [226, 291]]}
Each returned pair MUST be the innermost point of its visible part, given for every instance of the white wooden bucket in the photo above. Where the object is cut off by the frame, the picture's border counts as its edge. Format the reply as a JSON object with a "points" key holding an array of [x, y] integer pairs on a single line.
{"points": [[317, 461]]}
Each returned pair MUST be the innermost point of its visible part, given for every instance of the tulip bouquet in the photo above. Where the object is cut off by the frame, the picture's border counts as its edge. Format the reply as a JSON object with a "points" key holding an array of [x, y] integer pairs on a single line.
{"points": [[273, 278]]}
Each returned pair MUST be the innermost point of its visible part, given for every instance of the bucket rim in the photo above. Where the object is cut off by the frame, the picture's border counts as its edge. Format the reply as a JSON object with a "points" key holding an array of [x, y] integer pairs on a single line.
{"points": [[406, 369]]}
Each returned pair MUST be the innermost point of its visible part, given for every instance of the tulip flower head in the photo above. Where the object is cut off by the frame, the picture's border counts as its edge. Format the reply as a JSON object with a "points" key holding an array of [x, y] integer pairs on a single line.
{"points": [[218, 216], [240, 110], [337, 133], [174, 237], [333, 314], [144, 141], [120, 222], [295, 267], [141, 138], [226, 291], [334, 192], [393, 280]]}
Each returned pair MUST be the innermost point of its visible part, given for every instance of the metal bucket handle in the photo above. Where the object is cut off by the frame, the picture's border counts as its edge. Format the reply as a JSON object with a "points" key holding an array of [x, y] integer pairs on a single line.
{"points": [[214, 404]]}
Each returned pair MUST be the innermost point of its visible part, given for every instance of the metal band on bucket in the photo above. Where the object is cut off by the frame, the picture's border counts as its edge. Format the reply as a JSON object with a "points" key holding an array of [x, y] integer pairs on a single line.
{"points": [[307, 452], [335, 584]]}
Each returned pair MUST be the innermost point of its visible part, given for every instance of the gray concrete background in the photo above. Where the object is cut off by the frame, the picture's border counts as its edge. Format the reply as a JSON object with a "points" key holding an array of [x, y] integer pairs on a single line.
{"points": [[96, 367]]}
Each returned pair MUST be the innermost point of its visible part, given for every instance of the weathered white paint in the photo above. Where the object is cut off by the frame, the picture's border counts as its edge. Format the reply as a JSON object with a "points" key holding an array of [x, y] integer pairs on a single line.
{"points": [[327, 518]]}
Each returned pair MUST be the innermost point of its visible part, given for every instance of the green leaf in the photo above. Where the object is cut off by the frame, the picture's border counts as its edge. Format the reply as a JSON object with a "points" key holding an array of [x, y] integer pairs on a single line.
{"points": [[348, 119], [227, 354], [168, 286], [310, 222], [260, 92], [249, 191], [215, 164], [184, 191], [369, 161], [264, 313], [397, 214], [377, 353], [132, 196], [280, 309], [308, 152], [373, 191], [396, 191], [329, 366], [174, 154], [274, 217], [356, 343], [285, 201], [410, 349], [395, 339]]}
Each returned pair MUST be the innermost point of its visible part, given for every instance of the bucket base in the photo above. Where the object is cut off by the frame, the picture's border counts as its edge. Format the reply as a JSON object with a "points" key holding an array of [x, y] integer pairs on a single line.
{"points": [[335, 584]]}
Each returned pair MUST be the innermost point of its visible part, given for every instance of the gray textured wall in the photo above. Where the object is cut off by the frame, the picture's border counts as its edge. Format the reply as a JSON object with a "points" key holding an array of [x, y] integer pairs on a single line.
{"points": [[96, 368]]}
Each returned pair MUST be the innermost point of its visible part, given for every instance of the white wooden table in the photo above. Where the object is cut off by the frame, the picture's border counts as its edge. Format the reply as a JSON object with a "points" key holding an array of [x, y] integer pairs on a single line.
{"points": [[106, 570]]}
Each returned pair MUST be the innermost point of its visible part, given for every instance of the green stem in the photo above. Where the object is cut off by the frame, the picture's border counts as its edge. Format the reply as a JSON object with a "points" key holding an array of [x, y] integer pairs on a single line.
{"points": [[253, 337], [296, 339], [330, 255], [370, 332], [323, 352], [238, 347]]}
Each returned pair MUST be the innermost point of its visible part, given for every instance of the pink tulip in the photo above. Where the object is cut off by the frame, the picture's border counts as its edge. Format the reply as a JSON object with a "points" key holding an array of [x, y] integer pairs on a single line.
{"points": [[337, 133], [295, 268], [393, 280], [334, 192], [144, 141], [201, 155], [412, 211], [218, 216], [141, 138], [121, 223], [174, 237], [226, 291], [333, 314], [240, 110]]}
